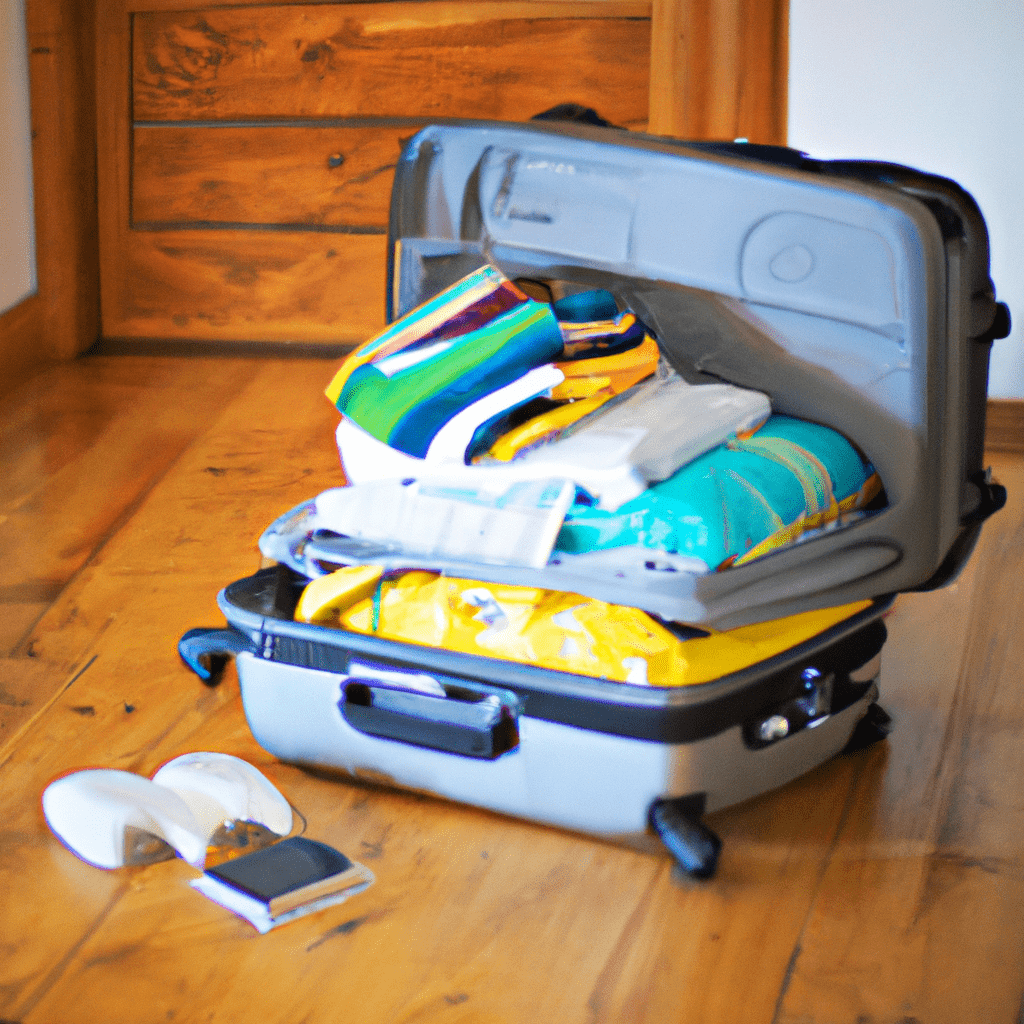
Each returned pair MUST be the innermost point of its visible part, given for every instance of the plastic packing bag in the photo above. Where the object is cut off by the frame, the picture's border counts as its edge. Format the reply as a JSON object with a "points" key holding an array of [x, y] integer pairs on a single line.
{"points": [[506, 525], [550, 629], [737, 502], [644, 435], [473, 339]]}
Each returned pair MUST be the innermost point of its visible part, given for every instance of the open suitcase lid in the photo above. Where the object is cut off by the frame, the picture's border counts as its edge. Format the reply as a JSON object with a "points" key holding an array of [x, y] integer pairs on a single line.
{"points": [[856, 295]]}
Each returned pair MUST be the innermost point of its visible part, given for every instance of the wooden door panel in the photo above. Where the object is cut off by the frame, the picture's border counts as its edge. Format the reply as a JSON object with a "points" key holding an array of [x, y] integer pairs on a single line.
{"points": [[227, 214], [428, 60], [337, 177], [236, 285]]}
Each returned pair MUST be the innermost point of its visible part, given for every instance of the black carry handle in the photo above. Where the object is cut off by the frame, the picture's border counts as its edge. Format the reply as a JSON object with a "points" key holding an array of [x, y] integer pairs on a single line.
{"points": [[467, 722]]}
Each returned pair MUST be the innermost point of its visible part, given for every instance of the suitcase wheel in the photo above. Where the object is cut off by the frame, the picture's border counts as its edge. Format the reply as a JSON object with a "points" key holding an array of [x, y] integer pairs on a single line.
{"points": [[693, 845], [207, 651], [873, 727]]}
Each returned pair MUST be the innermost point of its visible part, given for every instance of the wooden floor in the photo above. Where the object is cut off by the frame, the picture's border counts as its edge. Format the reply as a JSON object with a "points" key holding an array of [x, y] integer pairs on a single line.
{"points": [[886, 887]]}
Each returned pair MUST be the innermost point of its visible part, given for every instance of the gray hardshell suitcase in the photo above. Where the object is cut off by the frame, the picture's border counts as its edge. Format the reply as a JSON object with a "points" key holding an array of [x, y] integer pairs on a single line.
{"points": [[856, 295]]}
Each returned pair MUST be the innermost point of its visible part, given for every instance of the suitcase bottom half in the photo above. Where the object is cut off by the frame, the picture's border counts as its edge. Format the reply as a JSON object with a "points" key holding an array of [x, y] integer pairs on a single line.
{"points": [[622, 762]]}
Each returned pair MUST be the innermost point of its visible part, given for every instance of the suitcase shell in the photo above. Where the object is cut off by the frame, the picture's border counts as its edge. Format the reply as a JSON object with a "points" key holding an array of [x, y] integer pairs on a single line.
{"points": [[573, 751], [856, 295]]}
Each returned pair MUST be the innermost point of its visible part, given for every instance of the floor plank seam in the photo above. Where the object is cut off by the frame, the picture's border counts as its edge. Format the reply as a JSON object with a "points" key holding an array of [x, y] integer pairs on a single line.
{"points": [[8, 749], [55, 974], [826, 863], [613, 966]]}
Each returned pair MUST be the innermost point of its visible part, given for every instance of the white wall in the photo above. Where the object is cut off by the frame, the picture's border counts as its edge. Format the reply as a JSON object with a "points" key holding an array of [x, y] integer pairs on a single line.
{"points": [[17, 233], [938, 85]]}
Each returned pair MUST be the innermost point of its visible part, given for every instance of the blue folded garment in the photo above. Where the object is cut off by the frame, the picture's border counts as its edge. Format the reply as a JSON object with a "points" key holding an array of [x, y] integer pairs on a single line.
{"points": [[738, 501]]}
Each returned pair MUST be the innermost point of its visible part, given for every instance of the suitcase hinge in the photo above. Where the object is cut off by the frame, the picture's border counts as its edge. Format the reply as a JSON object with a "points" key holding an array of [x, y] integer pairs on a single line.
{"points": [[991, 497], [1000, 327]]}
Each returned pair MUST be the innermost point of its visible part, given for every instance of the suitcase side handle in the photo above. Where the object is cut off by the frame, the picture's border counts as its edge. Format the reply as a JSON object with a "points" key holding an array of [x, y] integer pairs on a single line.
{"points": [[463, 721], [207, 650]]}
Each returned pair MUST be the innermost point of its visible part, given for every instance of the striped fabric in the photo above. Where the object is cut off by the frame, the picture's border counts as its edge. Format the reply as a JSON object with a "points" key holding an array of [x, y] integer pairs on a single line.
{"points": [[467, 342]]}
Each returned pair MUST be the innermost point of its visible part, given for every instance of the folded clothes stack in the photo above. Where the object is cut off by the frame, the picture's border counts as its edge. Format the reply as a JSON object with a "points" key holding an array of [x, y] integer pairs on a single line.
{"points": [[489, 429], [484, 382]]}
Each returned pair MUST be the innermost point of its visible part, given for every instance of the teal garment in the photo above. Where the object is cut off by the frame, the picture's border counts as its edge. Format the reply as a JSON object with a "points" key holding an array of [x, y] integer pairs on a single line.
{"points": [[597, 304], [730, 499], [406, 407]]}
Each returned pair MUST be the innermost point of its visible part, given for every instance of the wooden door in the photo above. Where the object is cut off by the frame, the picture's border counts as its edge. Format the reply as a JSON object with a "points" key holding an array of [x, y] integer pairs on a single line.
{"points": [[246, 153]]}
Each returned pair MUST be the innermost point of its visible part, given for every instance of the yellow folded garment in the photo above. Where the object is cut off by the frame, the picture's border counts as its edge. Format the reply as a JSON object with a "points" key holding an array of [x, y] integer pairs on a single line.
{"points": [[607, 375], [551, 629], [545, 427], [325, 598]]}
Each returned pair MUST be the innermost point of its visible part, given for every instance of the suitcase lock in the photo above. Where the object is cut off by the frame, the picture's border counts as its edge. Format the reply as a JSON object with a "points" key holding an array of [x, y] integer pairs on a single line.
{"points": [[807, 708]]}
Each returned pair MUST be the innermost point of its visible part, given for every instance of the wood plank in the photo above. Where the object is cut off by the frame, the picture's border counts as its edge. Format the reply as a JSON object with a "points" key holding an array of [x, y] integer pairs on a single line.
{"points": [[497, 60], [62, 78], [337, 176], [80, 446], [1004, 428], [165, 574], [27, 685], [62, 318], [236, 285], [925, 904], [719, 69], [23, 350], [265, 445], [113, 158], [722, 952]]}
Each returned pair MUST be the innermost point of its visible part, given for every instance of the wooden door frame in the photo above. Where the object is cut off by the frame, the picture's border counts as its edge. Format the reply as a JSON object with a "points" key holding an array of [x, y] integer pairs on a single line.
{"points": [[720, 69], [61, 319]]}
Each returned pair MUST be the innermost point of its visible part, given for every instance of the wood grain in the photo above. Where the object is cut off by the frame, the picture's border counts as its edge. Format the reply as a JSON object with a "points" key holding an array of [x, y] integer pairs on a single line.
{"points": [[319, 283], [113, 158], [1004, 430], [23, 351], [80, 446], [63, 96], [337, 176], [719, 69], [882, 887], [931, 866], [62, 319], [504, 61], [238, 285]]}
